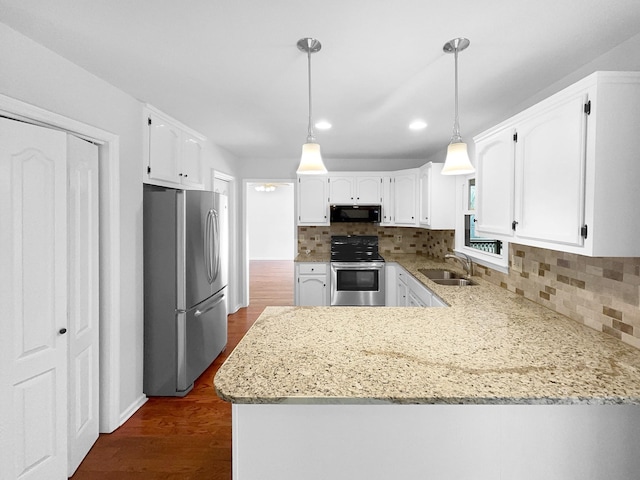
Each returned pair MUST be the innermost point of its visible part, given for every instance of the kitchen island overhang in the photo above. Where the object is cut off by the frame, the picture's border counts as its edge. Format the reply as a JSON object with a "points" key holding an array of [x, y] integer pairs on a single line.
{"points": [[493, 387]]}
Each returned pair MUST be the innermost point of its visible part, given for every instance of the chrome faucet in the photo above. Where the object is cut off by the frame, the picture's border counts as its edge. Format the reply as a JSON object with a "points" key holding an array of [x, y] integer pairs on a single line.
{"points": [[464, 260]]}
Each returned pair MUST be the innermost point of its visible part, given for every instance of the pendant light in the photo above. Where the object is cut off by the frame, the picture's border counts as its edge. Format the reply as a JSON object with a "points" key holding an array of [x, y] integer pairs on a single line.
{"points": [[311, 160], [457, 161]]}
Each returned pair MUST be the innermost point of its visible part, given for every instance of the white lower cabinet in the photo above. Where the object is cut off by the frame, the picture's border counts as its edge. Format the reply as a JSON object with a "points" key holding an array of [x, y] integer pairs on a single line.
{"points": [[402, 290], [407, 290], [312, 284]]}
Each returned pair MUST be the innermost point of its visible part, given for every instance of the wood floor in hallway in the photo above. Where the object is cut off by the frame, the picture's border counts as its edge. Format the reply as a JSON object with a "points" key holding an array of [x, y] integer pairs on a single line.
{"points": [[190, 437]]}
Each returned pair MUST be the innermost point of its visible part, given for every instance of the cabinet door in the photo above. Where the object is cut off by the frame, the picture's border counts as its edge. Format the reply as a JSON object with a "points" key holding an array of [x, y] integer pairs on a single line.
{"points": [[368, 190], [191, 165], [313, 203], [495, 161], [424, 180], [550, 173], [402, 290], [387, 201], [164, 150], [312, 290], [341, 190], [405, 199]]}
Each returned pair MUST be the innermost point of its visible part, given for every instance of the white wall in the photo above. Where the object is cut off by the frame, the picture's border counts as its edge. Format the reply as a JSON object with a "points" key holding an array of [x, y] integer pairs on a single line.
{"points": [[33, 74], [270, 223]]}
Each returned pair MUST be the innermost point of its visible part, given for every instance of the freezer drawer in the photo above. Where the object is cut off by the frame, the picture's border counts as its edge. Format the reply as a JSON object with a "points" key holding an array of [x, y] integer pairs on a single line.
{"points": [[206, 337], [179, 347]]}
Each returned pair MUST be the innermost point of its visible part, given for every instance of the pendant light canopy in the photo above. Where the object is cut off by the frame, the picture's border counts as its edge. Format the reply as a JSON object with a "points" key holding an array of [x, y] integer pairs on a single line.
{"points": [[457, 161], [311, 160]]}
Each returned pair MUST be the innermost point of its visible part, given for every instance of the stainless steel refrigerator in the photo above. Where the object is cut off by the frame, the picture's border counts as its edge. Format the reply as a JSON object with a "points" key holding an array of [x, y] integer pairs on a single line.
{"points": [[185, 285]]}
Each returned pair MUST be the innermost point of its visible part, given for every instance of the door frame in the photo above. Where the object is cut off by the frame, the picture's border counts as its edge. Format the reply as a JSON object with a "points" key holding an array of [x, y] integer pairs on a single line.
{"points": [[245, 227], [109, 231]]}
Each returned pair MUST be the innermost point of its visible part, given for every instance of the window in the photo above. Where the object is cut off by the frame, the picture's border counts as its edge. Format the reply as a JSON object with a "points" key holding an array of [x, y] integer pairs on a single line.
{"points": [[471, 239], [487, 251]]}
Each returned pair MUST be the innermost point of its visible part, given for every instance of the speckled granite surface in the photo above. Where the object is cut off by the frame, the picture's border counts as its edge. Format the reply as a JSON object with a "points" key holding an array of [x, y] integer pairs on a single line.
{"points": [[489, 347], [313, 257]]}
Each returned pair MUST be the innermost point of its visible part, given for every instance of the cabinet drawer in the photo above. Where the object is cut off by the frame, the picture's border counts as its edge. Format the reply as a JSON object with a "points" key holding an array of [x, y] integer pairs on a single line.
{"points": [[310, 268]]}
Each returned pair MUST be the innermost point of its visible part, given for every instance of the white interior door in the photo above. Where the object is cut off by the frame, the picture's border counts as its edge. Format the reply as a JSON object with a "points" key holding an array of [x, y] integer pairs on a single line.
{"points": [[33, 302], [83, 393]]}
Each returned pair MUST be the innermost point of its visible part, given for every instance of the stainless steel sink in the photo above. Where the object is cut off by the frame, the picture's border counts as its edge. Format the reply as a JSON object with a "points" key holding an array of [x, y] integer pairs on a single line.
{"points": [[458, 282], [439, 274], [446, 277]]}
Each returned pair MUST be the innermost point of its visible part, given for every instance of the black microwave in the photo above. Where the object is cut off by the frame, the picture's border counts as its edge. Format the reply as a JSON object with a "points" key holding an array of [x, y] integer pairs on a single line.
{"points": [[355, 213]]}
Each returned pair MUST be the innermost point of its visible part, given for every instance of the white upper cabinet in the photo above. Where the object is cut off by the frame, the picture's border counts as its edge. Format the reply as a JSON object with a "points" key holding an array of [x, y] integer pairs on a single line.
{"points": [[387, 200], [191, 161], [405, 203], [313, 201], [355, 190], [437, 198], [397, 192], [369, 190], [550, 168], [495, 174], [174, 153], [564, 173]]}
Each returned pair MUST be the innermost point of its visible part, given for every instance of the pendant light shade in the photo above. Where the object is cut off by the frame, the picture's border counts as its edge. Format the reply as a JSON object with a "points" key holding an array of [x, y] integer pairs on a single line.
{"points": [[457, 161], [311, 159]]}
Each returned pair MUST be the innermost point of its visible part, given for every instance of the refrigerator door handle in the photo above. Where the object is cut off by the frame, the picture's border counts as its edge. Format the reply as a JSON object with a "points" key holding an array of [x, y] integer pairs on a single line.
{"points": [[207, 246], [211, 306], [216, 236]]}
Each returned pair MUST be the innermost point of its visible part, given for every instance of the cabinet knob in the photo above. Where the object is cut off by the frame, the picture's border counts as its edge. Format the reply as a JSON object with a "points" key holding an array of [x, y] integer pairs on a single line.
{"points": [[62, 331], [179, 174], [185, 175]]}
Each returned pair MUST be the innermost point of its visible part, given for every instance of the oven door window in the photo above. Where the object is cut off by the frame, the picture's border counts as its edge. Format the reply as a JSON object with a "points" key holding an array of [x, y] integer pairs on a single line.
{"points": [[357, 280]]}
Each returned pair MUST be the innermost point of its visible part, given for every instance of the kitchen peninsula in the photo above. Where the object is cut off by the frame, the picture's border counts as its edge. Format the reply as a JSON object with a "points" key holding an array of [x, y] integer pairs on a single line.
{"points": [[493, 386]]}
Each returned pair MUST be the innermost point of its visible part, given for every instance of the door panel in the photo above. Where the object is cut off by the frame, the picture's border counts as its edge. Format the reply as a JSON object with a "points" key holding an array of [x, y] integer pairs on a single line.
{"points": [[197, 254], [164, 150], [551, 163], [33, 301], [83, 425]]}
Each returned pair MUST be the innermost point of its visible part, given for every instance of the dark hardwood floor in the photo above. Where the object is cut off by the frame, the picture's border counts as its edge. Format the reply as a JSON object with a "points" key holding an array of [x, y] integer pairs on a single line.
{"points": [[190, 437]]}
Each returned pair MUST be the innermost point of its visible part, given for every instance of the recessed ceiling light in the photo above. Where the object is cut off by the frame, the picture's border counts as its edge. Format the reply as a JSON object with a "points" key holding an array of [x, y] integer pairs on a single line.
{"points": [[418, 125], [323, 125]]}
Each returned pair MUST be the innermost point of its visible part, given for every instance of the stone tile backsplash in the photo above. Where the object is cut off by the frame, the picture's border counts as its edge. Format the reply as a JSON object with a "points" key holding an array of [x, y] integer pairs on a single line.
{"points": [[603, 293], [432, 243]]}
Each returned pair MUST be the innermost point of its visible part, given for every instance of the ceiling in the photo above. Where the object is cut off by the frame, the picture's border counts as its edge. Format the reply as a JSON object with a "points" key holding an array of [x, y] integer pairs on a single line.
{"points": [[231, 70]]}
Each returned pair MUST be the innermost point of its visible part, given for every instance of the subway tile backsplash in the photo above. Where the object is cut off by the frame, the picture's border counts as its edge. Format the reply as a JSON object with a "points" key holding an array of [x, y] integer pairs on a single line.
{"points": [[603, 293], [432, 243]]}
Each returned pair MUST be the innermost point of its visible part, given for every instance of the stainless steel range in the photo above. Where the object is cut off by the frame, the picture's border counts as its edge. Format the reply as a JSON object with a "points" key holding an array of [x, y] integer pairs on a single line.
{"points": [[357, 271]]}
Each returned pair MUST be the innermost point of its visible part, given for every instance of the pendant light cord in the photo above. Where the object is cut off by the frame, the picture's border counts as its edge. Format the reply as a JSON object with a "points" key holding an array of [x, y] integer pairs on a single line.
{"points": [[456, 138], [311, 138]]}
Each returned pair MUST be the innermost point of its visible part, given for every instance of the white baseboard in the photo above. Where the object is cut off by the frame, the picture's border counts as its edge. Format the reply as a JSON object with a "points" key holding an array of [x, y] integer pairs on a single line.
{"points": [[133, 408]]}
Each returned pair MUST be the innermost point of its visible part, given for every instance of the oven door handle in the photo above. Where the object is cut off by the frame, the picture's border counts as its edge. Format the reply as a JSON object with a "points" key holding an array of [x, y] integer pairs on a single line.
{"points": [[357, 266]]}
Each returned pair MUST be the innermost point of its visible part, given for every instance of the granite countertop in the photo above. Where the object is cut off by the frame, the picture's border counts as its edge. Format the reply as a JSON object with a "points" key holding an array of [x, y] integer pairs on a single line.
{"points": [[489, 347], [313, 257]]}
